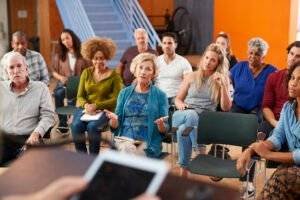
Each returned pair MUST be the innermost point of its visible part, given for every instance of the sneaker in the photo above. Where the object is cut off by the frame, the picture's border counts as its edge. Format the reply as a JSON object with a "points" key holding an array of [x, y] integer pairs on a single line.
{"points": [[248, 193]]}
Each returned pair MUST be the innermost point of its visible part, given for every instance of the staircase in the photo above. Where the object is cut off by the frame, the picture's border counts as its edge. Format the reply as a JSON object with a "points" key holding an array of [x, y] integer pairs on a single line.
{"points": [[115, 19], [106, 22]]}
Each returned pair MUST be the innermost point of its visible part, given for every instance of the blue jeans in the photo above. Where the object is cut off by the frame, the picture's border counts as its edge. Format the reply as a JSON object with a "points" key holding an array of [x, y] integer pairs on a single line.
{"points": [[79, 127], [182, 120]]}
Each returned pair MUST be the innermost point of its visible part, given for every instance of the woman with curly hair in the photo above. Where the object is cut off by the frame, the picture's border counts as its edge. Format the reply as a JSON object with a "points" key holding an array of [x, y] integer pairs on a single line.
{"points": [[141, 108], [201, 90], [98, 90], [67, 62]]}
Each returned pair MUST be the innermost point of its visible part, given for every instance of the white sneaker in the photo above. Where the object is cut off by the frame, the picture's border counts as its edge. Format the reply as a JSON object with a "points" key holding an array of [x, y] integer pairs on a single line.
{"points": [[248, 193]]}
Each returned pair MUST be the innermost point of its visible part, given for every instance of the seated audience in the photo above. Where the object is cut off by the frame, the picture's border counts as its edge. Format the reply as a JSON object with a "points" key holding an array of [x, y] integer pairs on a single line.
{"points": [[67, 62], [249, 78], [285, 181], [201, 90], [276, 93], [35, 62], [98, 90], [141, 108], [141, 41], [26, 109], [172, 68]]}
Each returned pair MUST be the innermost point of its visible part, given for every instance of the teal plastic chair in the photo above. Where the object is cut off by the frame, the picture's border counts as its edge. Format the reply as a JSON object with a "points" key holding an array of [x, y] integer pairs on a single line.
{"points": [[223, 128], [71, 94]]}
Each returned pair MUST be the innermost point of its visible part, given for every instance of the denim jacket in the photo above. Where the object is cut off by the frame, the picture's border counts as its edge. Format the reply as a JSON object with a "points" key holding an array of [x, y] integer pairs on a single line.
{"points": [[157, 107]]}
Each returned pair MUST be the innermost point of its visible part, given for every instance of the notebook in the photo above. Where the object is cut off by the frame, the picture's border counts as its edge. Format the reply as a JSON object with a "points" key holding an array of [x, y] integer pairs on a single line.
{"points": [[88, 117]]}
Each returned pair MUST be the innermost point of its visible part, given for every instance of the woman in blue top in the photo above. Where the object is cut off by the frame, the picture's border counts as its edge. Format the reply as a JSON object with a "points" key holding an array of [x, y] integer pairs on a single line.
{"points": [[285, 182], [249, 78], [141, 107]]}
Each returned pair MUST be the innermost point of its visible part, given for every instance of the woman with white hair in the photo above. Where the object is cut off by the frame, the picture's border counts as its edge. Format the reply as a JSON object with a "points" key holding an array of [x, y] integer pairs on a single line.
{"points": [[141, 108], [249, 78]]}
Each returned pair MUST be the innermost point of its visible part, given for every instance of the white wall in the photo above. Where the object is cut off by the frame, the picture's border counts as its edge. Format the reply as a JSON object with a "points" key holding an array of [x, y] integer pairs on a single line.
{"points": [[3, 27]]}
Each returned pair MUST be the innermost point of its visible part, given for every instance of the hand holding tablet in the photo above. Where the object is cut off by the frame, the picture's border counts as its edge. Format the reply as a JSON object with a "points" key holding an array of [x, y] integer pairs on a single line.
{"points": [[115, 175]]}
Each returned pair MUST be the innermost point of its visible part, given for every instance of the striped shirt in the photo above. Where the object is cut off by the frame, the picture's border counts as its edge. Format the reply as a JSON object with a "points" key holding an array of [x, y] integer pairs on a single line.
{"points": [[36, 65], [26, 112]]}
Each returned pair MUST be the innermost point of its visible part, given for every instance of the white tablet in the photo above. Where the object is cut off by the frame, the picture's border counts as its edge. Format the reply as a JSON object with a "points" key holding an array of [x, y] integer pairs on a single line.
{"points": [[116, 175]]}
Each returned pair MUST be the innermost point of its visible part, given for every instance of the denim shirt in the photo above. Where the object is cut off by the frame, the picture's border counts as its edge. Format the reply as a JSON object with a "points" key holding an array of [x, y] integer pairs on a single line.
{"points": [[287, 131]]}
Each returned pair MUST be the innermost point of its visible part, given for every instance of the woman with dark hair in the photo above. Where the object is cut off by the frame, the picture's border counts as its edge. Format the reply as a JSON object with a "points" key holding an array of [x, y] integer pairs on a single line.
{"points": [[223, 41], [67, 62], [285, 182]]}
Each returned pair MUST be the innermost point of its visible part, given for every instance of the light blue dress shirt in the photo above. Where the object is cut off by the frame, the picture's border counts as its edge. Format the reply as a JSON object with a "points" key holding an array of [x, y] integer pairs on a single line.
{"points": [[287, 131]]}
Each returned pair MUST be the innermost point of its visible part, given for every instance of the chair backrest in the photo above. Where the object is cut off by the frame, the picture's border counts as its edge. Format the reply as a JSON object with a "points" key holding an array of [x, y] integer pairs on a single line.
{"points": [[72, 87], [227, 128]]}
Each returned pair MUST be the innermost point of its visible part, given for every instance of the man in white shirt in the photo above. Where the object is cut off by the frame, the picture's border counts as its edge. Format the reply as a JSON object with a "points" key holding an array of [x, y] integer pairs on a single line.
{"points": [[172, 68]]}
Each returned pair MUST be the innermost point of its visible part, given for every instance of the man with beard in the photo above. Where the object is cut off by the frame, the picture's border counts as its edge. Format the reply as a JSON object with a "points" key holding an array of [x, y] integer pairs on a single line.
{"points": [[172, 68]]}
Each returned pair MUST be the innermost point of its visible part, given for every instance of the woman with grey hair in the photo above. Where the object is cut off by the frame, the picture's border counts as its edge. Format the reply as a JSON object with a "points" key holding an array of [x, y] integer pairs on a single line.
{"points": [[141, 109], [249, 78]]}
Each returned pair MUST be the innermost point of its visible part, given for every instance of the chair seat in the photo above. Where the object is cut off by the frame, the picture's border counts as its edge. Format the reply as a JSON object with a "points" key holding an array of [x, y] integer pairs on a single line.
{"points": [[65, 110], [212, 166]]}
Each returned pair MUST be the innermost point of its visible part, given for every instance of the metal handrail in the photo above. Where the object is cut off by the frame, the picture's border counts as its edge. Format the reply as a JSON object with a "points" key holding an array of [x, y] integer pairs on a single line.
{"points": [[74, 17], [134, 17]]}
